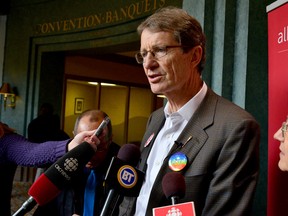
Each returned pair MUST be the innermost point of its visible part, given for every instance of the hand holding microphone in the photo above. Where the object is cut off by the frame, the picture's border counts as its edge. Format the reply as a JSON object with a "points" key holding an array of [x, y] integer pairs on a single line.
{"points": [[92, 137], [63, 171], [56, 177]]}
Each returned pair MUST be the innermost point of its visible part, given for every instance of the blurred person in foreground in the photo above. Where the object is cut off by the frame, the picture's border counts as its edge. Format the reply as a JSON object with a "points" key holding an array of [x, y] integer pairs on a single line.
{"points": [[46, 126], [282, 136], [17, 150], [217, 140], [73, 200]]}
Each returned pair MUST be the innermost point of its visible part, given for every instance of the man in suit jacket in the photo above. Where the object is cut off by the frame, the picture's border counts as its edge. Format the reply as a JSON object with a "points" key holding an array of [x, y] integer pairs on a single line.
{"points": [[219, 140], [71, 200]]}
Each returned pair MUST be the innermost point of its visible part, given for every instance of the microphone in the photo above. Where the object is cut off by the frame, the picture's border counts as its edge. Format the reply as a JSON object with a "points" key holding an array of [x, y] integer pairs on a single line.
{"points": [[103, 124], [27, 206], [57, 176], [122, 175], [173, 186]]}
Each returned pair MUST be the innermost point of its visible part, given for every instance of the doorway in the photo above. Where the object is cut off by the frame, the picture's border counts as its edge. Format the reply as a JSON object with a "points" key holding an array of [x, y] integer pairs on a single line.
{"points": [[128, 107]]}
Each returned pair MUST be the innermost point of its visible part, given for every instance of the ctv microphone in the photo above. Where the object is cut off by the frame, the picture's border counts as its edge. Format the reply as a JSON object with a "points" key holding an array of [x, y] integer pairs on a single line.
{"points": [[122, 176], [57, 176], [173, 186]]}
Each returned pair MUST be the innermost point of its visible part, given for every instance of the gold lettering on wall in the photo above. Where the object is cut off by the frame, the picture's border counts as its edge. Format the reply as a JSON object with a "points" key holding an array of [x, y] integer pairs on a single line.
{"points": [[125, 13]]}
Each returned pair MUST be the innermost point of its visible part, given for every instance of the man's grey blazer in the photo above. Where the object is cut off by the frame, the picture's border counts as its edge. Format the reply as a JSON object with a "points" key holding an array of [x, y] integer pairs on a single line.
{"points": [[223, 159]]}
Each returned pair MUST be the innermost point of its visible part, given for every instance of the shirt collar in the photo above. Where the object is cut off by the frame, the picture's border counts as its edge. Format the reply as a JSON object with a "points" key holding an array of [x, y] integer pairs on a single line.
{"points": [[190, 107]]}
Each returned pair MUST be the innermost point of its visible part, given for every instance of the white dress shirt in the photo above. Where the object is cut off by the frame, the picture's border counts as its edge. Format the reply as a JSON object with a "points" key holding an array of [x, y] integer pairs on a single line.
{"points": [[174, 124]]}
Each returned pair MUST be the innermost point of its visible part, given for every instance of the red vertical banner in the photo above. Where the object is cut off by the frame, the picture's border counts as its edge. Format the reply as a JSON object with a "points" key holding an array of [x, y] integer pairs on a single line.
{"points": [[277, 197]]}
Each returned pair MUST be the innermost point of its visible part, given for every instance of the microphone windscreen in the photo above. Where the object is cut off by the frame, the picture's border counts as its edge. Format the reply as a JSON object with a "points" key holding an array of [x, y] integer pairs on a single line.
{"points": [[43, 190], [173, 184], [61, 173], [129, 153]]}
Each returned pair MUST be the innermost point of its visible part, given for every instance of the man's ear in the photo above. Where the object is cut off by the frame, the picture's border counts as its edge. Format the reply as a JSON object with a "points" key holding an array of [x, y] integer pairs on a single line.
{"points": [[196, 55]]}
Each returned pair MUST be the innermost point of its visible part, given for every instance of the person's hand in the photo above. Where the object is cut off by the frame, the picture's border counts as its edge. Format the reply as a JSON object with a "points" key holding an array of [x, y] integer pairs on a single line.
{"points": [[102, 149], [87, 136]]}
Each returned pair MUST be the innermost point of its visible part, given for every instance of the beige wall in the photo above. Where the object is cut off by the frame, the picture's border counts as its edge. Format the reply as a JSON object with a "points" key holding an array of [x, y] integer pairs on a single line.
{"points": [[128, 108], [77, 90], [140, 107]]}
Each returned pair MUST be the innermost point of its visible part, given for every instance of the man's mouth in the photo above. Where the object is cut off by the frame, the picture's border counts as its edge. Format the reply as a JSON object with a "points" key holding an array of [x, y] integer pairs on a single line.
{"points": [[154, 78]]}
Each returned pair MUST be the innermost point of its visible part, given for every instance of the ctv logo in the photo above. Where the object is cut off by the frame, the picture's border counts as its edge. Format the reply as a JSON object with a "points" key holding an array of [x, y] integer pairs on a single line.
{"points": [[127, 176]]}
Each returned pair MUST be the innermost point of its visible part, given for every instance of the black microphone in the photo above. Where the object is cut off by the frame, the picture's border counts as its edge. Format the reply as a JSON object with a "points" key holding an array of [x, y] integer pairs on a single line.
{"points": [[61, 173], [57, 176], [173, 186], [122, 176], [27, 206]]}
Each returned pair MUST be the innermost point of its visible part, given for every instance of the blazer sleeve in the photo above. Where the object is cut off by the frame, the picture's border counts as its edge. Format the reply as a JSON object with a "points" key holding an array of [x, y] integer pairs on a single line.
{"points": [[232, 187]]}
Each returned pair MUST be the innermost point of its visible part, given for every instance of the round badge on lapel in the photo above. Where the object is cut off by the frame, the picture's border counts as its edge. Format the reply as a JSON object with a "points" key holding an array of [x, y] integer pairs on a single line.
{"points": [[178, 161]]}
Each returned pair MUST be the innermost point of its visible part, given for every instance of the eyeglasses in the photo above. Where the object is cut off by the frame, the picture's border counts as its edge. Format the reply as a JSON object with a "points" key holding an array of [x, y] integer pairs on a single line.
{"points": [[284, 127], [157, 52]]}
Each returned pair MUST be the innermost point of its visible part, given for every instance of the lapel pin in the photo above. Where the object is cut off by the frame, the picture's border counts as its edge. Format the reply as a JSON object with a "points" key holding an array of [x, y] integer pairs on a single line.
{"points": [[149, 140], [189, 138], [177, 161]]}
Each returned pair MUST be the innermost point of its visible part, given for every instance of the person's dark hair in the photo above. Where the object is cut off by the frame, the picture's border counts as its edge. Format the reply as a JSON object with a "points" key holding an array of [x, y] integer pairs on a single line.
{"points": [[5, 129], [46, 109], [186, 29], [93, 114]]}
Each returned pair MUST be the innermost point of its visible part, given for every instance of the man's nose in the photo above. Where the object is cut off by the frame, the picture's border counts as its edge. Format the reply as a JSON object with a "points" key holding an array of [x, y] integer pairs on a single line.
{"points": [[149, 61], [278, 136]]}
